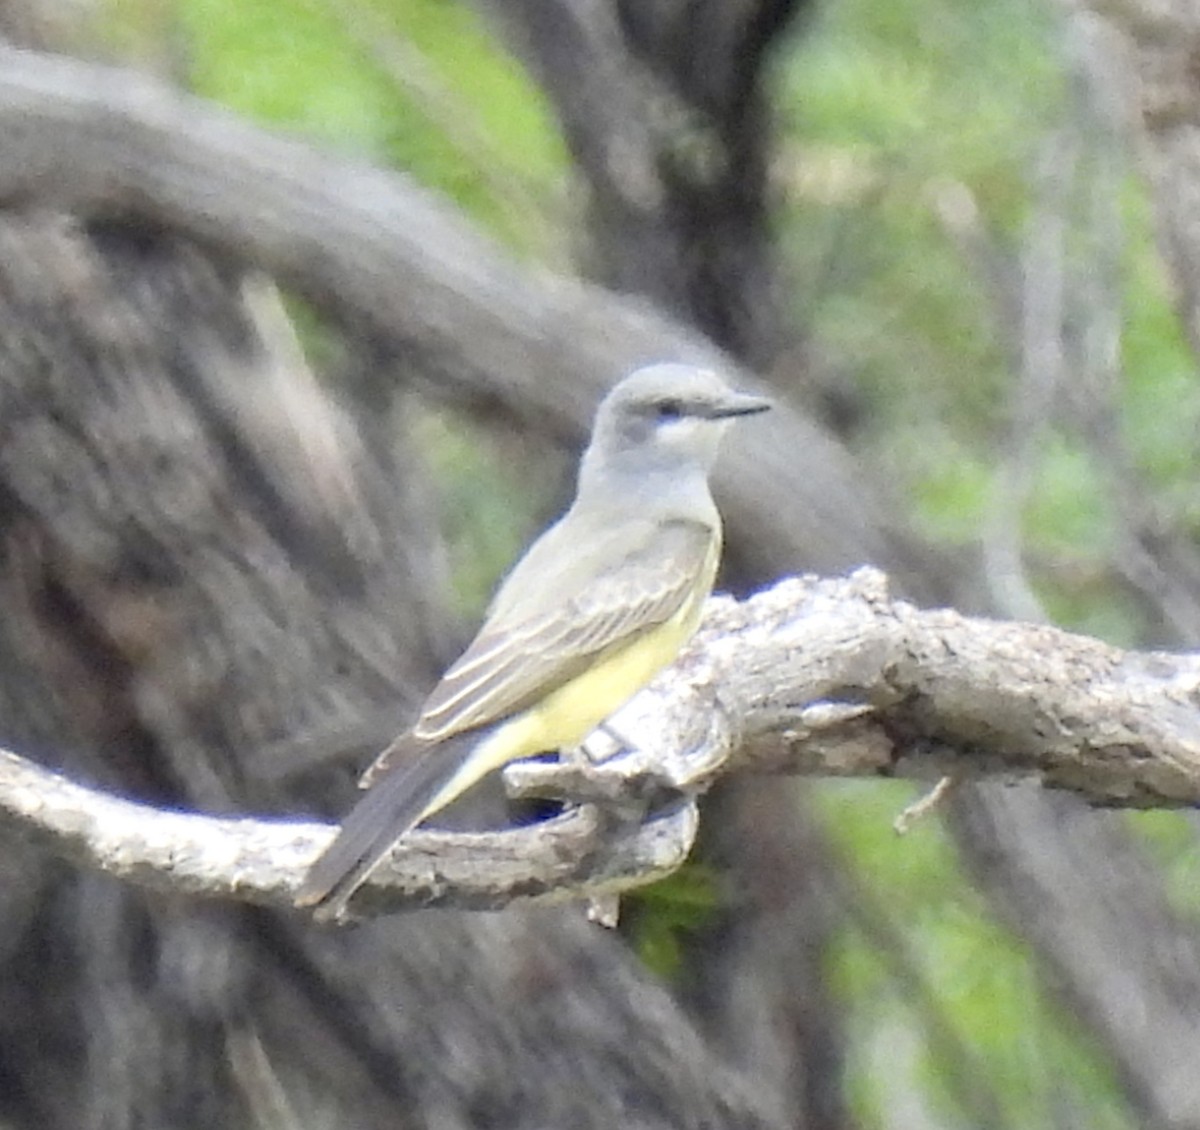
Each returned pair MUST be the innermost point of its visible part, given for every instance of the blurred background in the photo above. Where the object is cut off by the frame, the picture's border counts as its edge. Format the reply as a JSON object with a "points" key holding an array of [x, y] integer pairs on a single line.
{"points": [[242, 532]]}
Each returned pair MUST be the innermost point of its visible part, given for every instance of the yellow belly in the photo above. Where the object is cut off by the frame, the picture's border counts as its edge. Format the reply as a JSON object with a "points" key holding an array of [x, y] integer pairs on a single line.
{"points": [[565, 717]]}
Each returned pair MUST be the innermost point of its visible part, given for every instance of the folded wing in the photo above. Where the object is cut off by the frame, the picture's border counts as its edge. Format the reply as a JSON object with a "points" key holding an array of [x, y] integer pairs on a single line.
{"points": [[546, 627]]}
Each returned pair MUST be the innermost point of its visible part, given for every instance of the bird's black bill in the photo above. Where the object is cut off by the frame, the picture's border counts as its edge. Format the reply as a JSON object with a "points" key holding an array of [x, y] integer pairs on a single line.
{"points": [[741, 406]]}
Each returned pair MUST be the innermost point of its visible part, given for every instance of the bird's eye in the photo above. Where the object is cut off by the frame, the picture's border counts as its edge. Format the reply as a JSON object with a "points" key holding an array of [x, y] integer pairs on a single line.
{"points": [[669, 409]]}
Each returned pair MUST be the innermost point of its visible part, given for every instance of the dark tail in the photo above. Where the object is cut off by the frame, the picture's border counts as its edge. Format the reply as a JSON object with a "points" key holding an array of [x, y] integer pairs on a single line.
{"points": [[390, 808]]}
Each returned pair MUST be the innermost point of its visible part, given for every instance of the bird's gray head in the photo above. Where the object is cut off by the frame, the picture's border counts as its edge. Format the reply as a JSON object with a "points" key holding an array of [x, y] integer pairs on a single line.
{"points": [[664, 418]]}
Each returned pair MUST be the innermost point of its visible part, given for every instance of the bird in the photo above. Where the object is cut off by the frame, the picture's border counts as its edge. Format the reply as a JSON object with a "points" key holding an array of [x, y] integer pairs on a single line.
{"points": [[599, 604]]}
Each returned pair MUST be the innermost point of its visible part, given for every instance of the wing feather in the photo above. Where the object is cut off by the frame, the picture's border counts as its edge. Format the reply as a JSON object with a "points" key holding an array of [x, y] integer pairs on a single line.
{"points": [[516, 660], [518, 657]]}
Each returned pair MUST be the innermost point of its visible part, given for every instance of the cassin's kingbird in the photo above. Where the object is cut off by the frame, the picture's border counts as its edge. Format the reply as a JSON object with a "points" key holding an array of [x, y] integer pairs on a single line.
{"points": [[599, 604]]}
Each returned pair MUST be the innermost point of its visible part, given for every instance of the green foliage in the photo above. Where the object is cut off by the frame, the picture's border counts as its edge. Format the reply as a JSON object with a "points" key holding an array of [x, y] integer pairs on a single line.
{"points": [[658, 918], [942, 1001], [915, 136], [418, 84], [1160, 409], [287, 63], [1169, 840]]}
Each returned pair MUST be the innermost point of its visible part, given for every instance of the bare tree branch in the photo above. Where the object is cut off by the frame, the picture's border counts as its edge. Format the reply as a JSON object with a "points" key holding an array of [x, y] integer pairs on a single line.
{"points": [[821, 677], [261, 861], [831, 677]]}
